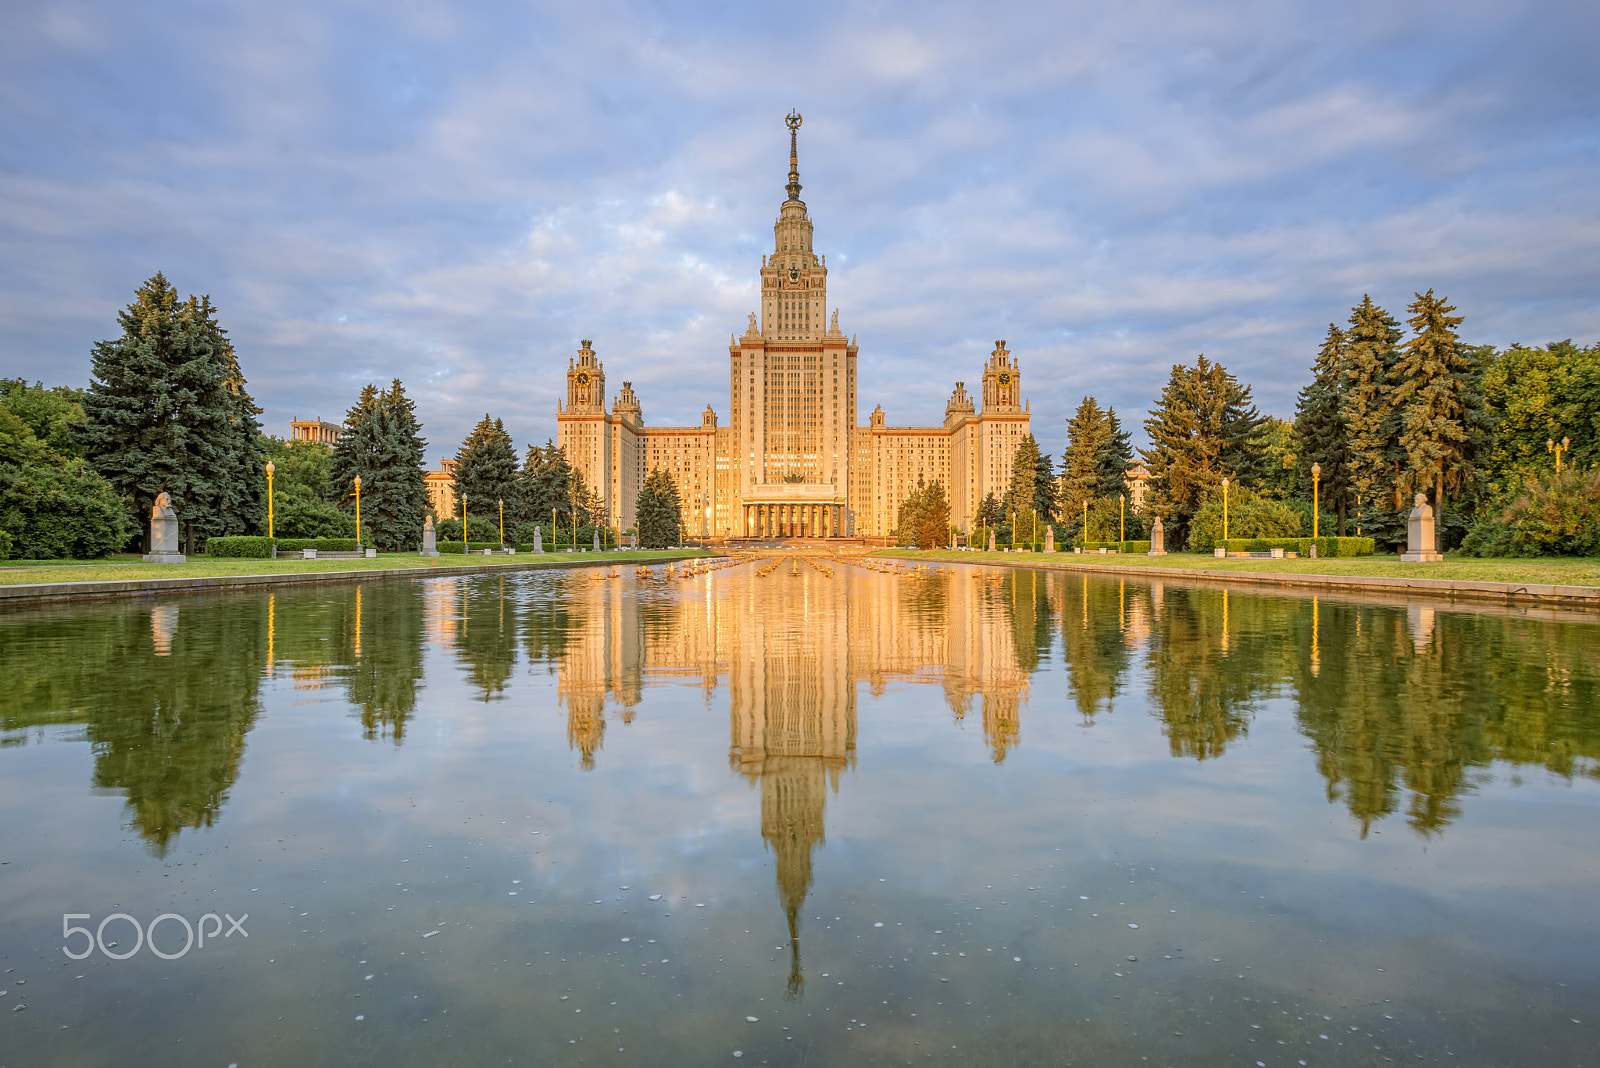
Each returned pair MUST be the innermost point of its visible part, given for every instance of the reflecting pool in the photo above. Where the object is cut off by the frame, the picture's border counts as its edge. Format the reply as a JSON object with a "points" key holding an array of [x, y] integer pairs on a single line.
{"points": [[797, 811]]}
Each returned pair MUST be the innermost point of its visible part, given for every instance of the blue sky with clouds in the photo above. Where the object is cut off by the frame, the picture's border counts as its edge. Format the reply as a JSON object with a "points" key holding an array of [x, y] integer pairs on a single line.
{"points": [[455, 193]]}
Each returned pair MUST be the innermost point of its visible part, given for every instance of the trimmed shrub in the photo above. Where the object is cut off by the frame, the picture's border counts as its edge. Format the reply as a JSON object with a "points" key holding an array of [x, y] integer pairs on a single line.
{"points": [[239, 548], [332, 545], [450, 546], [1326, 547], [1140, 547]]}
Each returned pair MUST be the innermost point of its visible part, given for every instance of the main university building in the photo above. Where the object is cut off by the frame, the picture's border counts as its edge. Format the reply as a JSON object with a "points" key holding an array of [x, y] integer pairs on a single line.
{"points": [[792, 461]]}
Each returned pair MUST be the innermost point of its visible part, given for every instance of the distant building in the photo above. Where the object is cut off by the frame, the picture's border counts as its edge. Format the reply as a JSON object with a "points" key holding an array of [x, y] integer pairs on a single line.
{"points": [[793, 461], [442, 490], [1137, 479], [315, 430]]}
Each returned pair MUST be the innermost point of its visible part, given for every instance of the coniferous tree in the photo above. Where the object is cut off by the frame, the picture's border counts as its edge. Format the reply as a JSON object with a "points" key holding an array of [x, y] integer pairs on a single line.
{"points": [[1023, 491], [1320, 427], [1444, 433], [586, 503], [546, 484], [486, 473], [659, 512], [1114, 457], [407, 477], [1204, 430], [1045, 497], [1088, 437], [241, 495], [357, 450], [159, 414], [1370, 417]]}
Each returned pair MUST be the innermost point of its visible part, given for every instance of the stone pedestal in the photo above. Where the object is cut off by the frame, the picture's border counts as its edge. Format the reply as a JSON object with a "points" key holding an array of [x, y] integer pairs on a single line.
{"points": [[1419, 535], [1158, 539], [1049, 539], [538, 540], [430, 545], [163, 534]]}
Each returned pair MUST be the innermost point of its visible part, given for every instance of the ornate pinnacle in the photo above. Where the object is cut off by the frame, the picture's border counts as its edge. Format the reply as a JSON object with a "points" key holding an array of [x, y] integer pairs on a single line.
{"points": [[793, 120]]}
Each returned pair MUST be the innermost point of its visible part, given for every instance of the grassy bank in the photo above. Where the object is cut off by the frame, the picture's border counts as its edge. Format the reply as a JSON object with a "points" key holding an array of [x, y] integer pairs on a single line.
{"points": [[118, 568], [1567, 571]]}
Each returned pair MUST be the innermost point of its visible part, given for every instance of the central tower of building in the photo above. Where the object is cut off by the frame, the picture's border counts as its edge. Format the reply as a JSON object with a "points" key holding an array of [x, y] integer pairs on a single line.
{"points": [[792, 462], [792, 384]]}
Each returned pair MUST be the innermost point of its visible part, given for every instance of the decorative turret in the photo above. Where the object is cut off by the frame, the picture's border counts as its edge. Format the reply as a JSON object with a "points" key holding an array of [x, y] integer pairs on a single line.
{"points": [[794, 281], [627, 403], [586, 381], [1002, 382], [877, 416], [959, 406], [708, 418]]}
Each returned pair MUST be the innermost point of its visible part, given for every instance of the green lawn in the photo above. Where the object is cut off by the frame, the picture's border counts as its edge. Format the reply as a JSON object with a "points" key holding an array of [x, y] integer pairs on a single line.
{"points": [[1563, 571], [20, 572]]}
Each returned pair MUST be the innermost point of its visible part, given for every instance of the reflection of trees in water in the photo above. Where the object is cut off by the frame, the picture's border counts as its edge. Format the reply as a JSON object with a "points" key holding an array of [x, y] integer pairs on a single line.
{"points": [[486, 634], [166, 695], [1095, 640], [1213, 657], [385, 663], [1410, 706]]}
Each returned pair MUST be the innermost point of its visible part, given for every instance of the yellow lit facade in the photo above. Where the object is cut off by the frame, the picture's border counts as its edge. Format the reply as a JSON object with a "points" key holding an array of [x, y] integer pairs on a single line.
{"points": [[793, 461]]}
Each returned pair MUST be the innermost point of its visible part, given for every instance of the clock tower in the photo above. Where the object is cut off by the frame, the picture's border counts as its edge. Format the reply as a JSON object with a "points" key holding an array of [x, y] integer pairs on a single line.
{"points": [[586, 382], [1002, 383]]}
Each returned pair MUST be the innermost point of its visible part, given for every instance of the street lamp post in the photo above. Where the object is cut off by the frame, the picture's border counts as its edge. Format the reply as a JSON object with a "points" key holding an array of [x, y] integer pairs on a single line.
{"points": [[1552, 446], [1086, 524], [502, 505], [270, 470], [1316, 511], [358, 509], [1224, 509], [1122, 521]]}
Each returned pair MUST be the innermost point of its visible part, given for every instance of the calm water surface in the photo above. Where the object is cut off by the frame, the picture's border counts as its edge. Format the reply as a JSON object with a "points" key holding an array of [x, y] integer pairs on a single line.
{"points": [[797, 813]]}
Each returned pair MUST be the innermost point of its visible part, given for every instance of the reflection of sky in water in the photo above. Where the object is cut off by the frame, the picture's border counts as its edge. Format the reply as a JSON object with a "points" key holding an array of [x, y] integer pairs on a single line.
{"points": [[1301, 818]]}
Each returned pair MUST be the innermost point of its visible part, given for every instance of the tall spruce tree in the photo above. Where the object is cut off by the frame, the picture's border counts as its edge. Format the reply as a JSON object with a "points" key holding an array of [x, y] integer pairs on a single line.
{"points": [[1204, 430], [1320, 428], [1046, 497], [1444, 432], [1372, 421], [408, 473], [1088, 436], [659, 511], [486, 473], [1111, 464], [166, 410], [546, 484], [1023, 492], [382, 444]]}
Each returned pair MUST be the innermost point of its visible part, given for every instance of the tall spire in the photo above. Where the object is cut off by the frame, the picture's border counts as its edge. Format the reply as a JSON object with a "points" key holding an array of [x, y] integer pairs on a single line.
{"points": [[793, 121]]}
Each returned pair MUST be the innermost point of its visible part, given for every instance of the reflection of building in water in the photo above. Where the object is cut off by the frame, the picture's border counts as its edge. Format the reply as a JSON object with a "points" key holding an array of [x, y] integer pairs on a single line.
{"points": [[793, 646]]}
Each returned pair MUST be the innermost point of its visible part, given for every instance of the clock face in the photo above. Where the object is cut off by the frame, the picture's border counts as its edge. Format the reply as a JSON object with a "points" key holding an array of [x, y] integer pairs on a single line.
{"points": [[583, 378], [1004, 378]]}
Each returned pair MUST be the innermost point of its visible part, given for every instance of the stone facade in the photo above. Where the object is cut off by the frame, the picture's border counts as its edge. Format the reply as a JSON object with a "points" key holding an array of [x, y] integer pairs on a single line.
{"points": [[314, 430], [793, 461]]}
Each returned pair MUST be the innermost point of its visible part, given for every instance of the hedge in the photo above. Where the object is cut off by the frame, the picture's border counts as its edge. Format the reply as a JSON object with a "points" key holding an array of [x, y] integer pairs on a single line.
{"points": [[332, 545], [463, 546], [1326, 547], [1140, 547], [240, 548]]}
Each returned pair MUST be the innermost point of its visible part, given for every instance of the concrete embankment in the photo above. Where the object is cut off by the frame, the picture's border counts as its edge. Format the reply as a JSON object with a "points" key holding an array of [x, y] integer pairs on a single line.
{"points": [[48, 592], [1524, 594]]}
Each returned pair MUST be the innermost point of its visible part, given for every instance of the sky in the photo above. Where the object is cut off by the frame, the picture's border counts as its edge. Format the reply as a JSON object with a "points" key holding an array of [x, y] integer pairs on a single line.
{"points": [[456, 193]]}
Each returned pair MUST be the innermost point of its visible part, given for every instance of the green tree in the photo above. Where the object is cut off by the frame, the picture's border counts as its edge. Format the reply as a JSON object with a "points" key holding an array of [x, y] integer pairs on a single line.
{"points": [[166, 410], [1320, 428], [1536, 396], [660, 513], [1444, 424], [1089, 439], [924, 516], [1205, 429], [546, 483], [486, 472], [60, 512], [380, 443], [1114, 458], [51, 412], [1280, 464], [1024, 493], [1372, 421]]}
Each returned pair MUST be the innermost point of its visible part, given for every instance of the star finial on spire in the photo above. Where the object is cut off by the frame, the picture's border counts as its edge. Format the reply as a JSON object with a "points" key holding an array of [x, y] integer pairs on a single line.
{"points": [[793, 120]]}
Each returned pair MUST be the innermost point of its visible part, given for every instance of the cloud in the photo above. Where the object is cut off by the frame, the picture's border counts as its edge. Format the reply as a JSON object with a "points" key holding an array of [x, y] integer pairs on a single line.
{"points": [[455, 195]]}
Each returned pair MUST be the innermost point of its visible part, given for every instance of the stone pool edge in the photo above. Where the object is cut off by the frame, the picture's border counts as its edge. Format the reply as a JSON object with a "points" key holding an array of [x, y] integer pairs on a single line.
{"points": [[52, 592], [1543, 595]]}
